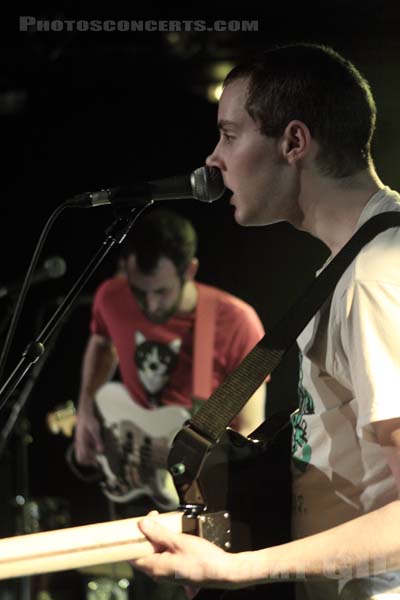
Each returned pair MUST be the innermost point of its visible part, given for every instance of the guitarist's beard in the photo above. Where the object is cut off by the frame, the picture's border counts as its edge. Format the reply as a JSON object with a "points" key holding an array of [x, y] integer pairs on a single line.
{"points": [[163, 315]]}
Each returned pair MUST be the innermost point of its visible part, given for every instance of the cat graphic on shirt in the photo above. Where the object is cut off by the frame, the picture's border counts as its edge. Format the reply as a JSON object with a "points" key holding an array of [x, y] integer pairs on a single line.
{"points": [[155, 362]]}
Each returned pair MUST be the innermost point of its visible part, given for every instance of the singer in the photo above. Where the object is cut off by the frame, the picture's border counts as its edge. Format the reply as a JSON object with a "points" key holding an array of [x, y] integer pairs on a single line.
{"points": [[150, 320], [296, 125]]}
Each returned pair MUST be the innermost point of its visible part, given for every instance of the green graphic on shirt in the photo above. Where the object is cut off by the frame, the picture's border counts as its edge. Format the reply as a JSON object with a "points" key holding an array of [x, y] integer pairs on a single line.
{"points": [[301, 450]]}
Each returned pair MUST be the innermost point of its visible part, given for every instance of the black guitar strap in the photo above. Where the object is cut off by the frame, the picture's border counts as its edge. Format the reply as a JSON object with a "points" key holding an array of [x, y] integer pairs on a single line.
{"points": [[230, 397]]}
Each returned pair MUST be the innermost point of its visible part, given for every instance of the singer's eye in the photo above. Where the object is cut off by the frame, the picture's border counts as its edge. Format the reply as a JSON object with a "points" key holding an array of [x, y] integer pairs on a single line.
{"points": [[227, 138]]}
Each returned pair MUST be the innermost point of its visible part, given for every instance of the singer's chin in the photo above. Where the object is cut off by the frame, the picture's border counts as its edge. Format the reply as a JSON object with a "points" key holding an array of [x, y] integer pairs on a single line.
{"points": [[243, 217], [238, 216]]}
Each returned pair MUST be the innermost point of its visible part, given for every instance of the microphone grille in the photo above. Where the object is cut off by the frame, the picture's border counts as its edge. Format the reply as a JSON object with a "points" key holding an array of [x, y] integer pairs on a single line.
{"points": [[55, 267], [207, 184]]}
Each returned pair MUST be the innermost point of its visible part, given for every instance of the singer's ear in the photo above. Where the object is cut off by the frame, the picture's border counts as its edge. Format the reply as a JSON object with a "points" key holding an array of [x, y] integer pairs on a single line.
{"points": [[296, 141], [191, 270]]}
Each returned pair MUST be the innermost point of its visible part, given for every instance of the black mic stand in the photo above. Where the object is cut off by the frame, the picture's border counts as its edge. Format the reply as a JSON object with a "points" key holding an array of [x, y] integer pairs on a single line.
{"points": [[35, 349], [17, 421], [6, 318]]}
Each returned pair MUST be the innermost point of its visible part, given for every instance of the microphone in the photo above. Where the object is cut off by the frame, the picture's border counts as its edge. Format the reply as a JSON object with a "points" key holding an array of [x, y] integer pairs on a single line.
{"points": [[53, 268], [204, 184]]}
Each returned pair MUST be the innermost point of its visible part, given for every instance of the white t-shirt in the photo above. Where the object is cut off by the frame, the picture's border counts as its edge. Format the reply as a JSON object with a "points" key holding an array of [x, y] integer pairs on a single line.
{"points": [[349, 378]]}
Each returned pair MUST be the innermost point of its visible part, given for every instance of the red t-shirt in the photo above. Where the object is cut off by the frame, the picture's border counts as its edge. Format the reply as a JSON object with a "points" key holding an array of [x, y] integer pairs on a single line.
{"points": [[155, 360]]}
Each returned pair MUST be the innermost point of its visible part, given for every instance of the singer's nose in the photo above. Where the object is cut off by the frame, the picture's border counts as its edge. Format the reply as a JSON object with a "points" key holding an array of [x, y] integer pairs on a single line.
{"points": [[214, 160]]}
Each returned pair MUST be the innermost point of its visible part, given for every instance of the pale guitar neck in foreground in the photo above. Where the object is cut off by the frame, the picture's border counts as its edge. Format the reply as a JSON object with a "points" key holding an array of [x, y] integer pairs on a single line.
{"points": [[81, 546]]}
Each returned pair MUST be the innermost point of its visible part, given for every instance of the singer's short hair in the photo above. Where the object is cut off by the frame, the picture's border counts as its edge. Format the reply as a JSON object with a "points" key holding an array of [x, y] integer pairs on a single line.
{"points": [[313, 84], [161, 233]]}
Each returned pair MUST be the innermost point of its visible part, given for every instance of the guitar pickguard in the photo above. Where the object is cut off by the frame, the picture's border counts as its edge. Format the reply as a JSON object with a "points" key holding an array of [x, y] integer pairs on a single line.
{"points": [[136, 446]]}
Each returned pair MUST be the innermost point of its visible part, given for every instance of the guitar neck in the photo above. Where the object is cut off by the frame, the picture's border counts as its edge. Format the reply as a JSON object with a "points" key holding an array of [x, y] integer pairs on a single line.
{"points": [[77, 547]]}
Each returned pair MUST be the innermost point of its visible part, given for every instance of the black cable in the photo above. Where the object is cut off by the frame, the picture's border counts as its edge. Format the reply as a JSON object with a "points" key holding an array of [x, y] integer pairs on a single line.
{"points": [[25, 286]]}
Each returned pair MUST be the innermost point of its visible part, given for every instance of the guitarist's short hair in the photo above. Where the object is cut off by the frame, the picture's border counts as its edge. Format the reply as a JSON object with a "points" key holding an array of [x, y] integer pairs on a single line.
{"points": [[161, 233]]}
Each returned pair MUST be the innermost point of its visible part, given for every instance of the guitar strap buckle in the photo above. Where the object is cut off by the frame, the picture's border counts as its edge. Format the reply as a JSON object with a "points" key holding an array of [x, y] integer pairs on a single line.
{"points": [[185, 461]]}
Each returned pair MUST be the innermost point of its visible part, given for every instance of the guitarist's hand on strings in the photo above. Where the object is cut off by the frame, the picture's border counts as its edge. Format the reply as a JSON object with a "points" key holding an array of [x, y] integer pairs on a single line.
{"points": [[87, 442], [186, 560]]}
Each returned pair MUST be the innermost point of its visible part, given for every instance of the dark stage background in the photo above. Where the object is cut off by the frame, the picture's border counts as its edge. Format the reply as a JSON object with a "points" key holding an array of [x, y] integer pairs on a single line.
{"points": [[82, 111]]}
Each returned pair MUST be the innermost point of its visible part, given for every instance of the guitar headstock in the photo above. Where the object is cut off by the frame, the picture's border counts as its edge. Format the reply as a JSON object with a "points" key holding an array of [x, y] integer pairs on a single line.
{"points": [[62, 420]]}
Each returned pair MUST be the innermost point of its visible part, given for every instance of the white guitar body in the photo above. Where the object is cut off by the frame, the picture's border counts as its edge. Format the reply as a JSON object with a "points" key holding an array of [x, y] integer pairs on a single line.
{"points": [[136, 445]]}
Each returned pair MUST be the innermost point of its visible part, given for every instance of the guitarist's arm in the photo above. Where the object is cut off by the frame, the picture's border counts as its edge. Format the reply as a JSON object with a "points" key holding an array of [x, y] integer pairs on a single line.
{"points": [[99, 364], [244, 331], [252, 414]]}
